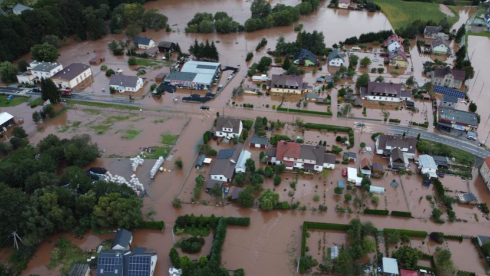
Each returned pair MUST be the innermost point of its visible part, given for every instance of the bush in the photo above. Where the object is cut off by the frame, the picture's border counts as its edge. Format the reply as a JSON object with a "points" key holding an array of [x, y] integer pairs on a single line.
{"points": [[109, 73], [238, 221], [157, 224], [103, 67], [410, 233], [401, 214], [327, 127], [376, 212], [250, 55], [292, 110], [192, 245], [132, 61]]}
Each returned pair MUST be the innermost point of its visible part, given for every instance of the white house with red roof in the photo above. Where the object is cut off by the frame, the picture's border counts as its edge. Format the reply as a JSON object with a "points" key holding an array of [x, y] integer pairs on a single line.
{"points": [[304, 157]]}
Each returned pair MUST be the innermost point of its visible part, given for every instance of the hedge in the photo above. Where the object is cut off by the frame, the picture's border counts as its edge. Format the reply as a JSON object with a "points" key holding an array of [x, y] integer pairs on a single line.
{"points": [[465, 273], [238, 221], [293, 110], [157, 224], [376, 212], [327, 226], [328, 127], [401, 214], [410, 233], [303, 238], [455, 238]]}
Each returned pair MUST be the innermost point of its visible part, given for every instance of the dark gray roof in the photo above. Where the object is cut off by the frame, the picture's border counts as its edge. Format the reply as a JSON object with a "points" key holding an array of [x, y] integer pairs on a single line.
{"points": [[226, 166], [351, 155], [316, 153], [305, 54], [287, 81], [397, 142], [458, 116], [235, 193], [391, 89], [397, 155], [438, 41], [123, 80], [142, 40], [484, 239], [442, 72], [432, 30], [110, 263], [210, 184], [329, 158], [335, 54], [440, 160], [180, 76], [71, 72], [123, 238], [225, 153], [228, 122], [450, 99], [469, 197], [259, 140], [270, 152], [377, 167], [79, 270], [166, 44]]}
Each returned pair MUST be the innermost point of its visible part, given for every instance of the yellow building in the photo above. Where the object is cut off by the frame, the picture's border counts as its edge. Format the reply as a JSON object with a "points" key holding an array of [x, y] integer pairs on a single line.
{"points": [[398, 58]]}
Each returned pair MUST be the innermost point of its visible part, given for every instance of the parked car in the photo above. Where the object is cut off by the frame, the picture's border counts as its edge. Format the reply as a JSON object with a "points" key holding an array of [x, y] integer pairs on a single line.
{"points": [[344, 172], [204, 107]]}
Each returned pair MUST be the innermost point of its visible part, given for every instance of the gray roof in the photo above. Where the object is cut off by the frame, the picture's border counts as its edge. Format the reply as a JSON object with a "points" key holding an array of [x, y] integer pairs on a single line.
{"points": [[442, 72], [142, 40], [469, 197], [287, 81], [45, 66], [165, 44], [377, 167], [397, 155], [228, 122], [270, 152], [316, 153], [438, 42], [458, 116], [79, 270], [381, 88], [351, 155], [235, 193], [123, 80], [19, 8], [397, 142], [180, 76], [305, 54], [335, 54], [329, 158], [123, 238], [71, 72], [259, 140], [484, 239], [450, 99], [225, 166], [311, 95], [432, 30], [427, 161], [440, 160]]}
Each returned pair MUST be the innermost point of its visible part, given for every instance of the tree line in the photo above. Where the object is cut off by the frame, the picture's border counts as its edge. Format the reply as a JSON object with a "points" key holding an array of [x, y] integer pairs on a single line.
{"points": [[36, 201], [204, 51], [207, 23]]}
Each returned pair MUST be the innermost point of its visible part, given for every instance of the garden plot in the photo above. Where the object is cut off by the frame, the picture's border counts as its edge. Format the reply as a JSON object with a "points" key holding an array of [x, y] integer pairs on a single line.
{"points": [[320, 242]]}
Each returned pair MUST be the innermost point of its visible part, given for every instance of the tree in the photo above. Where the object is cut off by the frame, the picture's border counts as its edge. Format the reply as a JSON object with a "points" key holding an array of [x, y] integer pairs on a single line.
{"points": [[22, 65], [486, 249], [9, 72], [316, 197], [443, 261], [19, 132], [407, 256], [115, 211], [44, 52], [133, 31], [362, 145], [365, 62], [353, 60], [286, 64], [154, 20], [461, 32], [176, 202], [279, 169], [343, 263], [268, 199], [347, 197], [260, 9], [338, 190], [109, 73], [36, 117], [245, 198], [394, 237], [216, 190], [250, 165], [362, 81], [132, 61], [277, 180], [410, 81], [179, 163], [293, 70], [174, 257], [256, 179], [473, 107], [49, 91], [239, 178]]}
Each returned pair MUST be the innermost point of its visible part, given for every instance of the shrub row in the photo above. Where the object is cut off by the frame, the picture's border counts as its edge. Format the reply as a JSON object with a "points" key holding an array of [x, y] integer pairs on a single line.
{"points": [[238, 221], [465, 273], [303, 238], [397, 121], [191, 221], [328, 127], [327, 226], [410, 233], [293, 110], [157, 224], [401, 214], [376, 212], [424, 124], [455, 238]]}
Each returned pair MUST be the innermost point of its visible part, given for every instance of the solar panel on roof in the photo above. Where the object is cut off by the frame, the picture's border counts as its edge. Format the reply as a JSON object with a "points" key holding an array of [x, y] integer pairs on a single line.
{"points": [[201, 66], [110, 263], [139, 266], [225, 153], [449, 92]]}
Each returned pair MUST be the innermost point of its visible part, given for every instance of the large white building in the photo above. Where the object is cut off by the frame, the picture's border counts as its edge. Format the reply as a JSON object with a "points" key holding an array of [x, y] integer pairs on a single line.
{"points": [[72, 75], [123, 83], [427, 165], [38, 71], [195, 74]]}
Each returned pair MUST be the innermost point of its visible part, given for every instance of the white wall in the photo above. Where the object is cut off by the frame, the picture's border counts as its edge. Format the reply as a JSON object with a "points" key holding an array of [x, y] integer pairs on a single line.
{"points": [[219, 177], [336, 62]]}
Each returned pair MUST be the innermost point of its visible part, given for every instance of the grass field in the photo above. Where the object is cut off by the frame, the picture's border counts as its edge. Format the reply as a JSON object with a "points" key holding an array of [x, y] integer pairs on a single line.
{"points": [[483, 33], [130, 134], [15, 101], [400, 13], [169, 139], [104, 105], [159, 151]]}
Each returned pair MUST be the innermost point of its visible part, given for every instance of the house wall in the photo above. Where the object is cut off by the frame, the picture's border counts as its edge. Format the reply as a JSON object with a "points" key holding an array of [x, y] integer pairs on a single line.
{"points": [[394, 46], [219, 177], [46, 75], [25, 79], [285, 90], [154, 260], [447, 81], [226, 134], [485, 174], [383, 98], [328, 166], [343, 6], [398, 61], [336, 62], [62, 83], [150, 45]]}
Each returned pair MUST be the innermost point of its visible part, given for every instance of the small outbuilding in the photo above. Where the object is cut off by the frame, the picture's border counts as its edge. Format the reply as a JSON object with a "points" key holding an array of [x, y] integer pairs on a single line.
{"points": [[376, 190], [235, 193], [123, 240], [352, 156], [242, 159], [160, 77], [441, 161], [467, 198], [200, 161], [340, 184], [378, 170], [6, 120], [406, 272], [97, 60], [258, 142], [365, 167], [352, 176], [390, 267]]}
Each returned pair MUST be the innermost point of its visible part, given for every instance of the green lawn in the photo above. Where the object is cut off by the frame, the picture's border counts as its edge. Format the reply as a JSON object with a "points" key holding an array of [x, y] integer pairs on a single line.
{"points": [[434, 148], [36, 102], [483, 33], [104, 105], [159, 151], [65, 254], [400, 13], [130, 134], [148, 62], [169, 139], [15, 101]]}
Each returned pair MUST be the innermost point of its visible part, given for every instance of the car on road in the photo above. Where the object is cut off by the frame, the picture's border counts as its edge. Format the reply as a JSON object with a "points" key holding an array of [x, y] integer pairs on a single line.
{"points": [[36, 90], [344, 172], [204, 107]]}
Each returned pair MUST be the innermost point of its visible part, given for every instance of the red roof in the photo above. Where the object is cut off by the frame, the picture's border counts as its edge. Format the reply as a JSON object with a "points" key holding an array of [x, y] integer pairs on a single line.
{"points": [[287, 149], [487, 160], [405, 272], [393, 38]]}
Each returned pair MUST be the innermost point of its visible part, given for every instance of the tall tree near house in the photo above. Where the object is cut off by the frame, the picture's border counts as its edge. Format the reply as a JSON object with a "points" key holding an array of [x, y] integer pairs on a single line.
{"points": [[44, 52], [49, 91], [216, 190], [9, 72]]}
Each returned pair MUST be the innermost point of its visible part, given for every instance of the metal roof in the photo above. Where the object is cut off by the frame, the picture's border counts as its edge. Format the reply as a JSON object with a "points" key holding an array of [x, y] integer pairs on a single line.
{"points": [[458, 116], [5, 117], [427, 161], [390, 266]]}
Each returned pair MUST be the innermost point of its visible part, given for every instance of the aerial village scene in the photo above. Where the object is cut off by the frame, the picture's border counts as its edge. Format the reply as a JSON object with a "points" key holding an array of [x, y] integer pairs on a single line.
{"points": [[244, 137]]}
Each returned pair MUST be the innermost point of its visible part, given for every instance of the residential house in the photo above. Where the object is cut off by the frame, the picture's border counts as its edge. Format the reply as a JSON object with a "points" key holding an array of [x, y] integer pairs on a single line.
{"points": [[287, 84], [449, 101], [166, 46], [393, 42], [398, 58], [297, 156], [144, 42], [305, 58], [242, 159], [344, 4], [352, 176], [351, 156], [427, 166], [452, 119], [406, 272], [390, 267], [79, 270], [467, 198], [440, 47], [377, 170], [235, 193], [19, 9], [224, 165], [123, 83], [258, 142], [110, 263], [72, 76], [152, 52], [123, 240], [228, 127], [385, 144], [434, 32], [485, 172], [336, 58], [441, 161], [398, 160], [382, 91], [482, 240], [38, 71], [365, 167], [448, 77], [139, 262], [271, 153]]}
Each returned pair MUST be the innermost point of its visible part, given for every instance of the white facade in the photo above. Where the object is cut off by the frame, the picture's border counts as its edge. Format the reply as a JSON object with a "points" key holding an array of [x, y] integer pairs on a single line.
{"points": [[26, 78], [63, 83], [394, 46], [343, 5], [427, 165], [386, 99], [240, 165], [336, 62], [122, 89], [228, 132], [352, 176], [219, 177], [154, 260], [49, 69], [485, 172], [151, 44], [329, 166]]}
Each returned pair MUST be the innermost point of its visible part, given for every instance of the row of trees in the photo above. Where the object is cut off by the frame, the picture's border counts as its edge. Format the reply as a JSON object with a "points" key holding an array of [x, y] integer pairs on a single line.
{"points": [[204, 51], [207, 23]]}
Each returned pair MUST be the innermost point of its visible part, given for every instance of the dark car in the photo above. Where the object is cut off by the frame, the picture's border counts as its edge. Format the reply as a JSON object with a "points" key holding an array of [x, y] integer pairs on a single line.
{"points": [[426, 183], [36, 90], [204, 107]]}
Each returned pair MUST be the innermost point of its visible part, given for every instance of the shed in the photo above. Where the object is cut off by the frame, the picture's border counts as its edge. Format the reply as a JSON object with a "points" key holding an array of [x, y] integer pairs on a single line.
{"points": [[160, 77], [390, 267], [123, 240], [258, 142], [79, 270], [410, 104], [340, 184], [441, 161], [200, 161], [376, 190], [97, 60], [352, 156], [210, 184], [352, 176], [235, 193], [467, 198], [378, 169]]}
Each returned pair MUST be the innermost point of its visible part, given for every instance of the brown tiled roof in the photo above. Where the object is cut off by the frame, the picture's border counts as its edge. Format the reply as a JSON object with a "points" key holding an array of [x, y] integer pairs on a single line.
{"points": [[393, 38], [396, 155], [365, 164], [377, 167], [288, 149], [442, 72]]}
